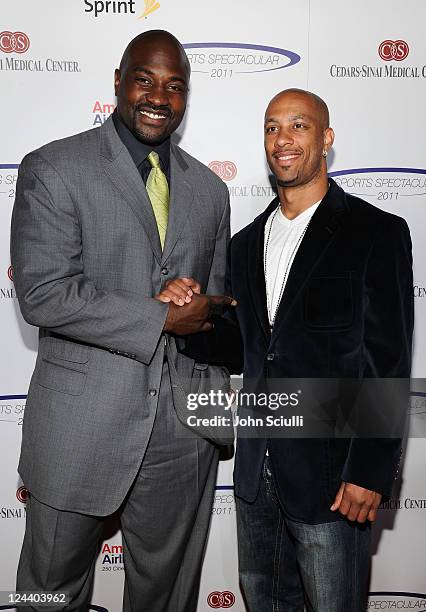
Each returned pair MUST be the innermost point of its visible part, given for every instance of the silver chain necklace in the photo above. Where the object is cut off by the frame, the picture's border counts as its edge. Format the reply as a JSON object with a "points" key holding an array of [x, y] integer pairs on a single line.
{"points": [[286, 271]]}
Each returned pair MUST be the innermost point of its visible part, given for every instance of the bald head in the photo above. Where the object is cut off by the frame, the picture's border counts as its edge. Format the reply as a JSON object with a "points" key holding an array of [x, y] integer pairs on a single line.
{"points": [[297, 140], [321, 108], [157, 37]]}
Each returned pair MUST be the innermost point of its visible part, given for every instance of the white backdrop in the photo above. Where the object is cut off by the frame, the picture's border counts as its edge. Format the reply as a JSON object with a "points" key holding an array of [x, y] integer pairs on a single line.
{"points": [[57, 60]]}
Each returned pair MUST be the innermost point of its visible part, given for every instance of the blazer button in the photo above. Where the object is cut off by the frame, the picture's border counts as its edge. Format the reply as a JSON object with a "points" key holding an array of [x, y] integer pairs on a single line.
{"points": [[153, 392], [270, 356], [164, 271]]}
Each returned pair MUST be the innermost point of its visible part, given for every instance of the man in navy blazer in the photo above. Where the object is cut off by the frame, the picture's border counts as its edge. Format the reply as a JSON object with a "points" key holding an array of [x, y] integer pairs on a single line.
{"points": [[323, 282]]}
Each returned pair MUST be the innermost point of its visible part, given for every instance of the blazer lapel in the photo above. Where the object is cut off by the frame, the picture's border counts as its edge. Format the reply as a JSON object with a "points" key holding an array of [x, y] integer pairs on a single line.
{"points": [[255, 268], [322, 229], [121, 170], [181, 200]]}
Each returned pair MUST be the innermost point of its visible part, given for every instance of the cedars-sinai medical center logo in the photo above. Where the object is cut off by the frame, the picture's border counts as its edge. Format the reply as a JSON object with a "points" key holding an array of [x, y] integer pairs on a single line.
{"points": [[393, 54], [9, 291], [394, 50], [221, 599], [14, 42], [18, 43], [226, 170], [22, 495]]}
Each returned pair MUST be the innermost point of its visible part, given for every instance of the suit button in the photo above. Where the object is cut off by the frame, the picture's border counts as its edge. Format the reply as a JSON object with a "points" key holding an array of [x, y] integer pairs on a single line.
{"points": [[164, 271], [153, 392], [270, 356]]}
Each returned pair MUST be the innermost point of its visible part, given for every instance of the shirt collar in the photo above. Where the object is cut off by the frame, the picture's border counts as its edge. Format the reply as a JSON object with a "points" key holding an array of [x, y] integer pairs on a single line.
{"points": [[303, 217], [139, 150]]}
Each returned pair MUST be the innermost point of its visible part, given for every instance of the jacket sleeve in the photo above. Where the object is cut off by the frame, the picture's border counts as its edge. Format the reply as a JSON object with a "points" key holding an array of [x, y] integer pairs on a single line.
{"points": [[223, 345], [216, 284], [47, 257], [387, 343]]}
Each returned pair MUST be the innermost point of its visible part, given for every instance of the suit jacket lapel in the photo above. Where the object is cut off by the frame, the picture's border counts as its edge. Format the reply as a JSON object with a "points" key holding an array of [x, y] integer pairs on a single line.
{"points": [[181, 200], [121, 170], [321, 231], [255, 268]]}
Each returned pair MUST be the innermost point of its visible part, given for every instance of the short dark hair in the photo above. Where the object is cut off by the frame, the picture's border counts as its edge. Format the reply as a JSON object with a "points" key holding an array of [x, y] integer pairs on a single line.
{"points": [[153, 34]]}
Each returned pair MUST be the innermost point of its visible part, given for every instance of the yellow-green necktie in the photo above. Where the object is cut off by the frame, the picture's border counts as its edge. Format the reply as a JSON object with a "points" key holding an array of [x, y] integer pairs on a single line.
{"points": [[158, 192]]}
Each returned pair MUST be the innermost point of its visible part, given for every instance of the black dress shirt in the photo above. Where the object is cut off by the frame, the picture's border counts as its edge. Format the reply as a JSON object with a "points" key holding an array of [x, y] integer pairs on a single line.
{"points": [[140, 151]]}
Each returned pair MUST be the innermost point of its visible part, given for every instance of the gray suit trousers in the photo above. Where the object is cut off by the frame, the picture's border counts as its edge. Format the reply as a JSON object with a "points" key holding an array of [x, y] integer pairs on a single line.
{"points": [[164, 519]]}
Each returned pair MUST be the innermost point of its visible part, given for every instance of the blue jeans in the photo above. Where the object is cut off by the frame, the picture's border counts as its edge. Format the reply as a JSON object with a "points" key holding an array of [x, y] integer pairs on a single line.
{"points": [[285, 565]]}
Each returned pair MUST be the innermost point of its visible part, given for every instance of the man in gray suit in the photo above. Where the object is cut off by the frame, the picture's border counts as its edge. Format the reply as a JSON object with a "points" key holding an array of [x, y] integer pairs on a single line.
{"points": [[101, 221]]}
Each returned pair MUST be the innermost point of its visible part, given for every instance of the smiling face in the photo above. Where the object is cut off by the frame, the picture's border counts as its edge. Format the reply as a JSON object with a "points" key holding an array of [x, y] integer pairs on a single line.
{"points": [[152, 87], [296, 135]]}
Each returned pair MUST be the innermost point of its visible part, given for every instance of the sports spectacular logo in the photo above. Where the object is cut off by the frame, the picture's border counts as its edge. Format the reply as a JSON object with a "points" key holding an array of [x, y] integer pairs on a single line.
{"points": [[227, 59]]}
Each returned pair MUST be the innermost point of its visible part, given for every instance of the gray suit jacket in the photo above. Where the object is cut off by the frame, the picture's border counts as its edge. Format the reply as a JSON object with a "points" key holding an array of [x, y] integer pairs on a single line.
{"points": [[87, 262]]}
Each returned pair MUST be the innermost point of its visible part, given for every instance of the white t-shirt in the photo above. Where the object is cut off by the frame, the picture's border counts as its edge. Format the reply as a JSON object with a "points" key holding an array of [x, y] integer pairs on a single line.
{"points": [[285, 237]]}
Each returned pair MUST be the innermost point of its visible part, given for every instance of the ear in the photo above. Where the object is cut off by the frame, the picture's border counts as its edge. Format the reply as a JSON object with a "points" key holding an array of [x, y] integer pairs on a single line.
{"points": [[328, 138], [117, 81]]}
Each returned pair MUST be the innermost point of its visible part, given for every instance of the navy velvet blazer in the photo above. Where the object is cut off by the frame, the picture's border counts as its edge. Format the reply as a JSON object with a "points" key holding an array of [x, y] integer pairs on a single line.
{"points": [[346, 312]]}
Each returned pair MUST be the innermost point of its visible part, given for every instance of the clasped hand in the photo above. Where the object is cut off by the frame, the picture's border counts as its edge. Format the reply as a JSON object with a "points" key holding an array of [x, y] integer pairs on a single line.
{"points": [[189, 311]]}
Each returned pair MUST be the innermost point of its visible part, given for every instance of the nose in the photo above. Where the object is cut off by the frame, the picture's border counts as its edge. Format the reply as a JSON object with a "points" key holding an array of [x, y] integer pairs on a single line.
{"points": [[284, 137], [157, 96]]}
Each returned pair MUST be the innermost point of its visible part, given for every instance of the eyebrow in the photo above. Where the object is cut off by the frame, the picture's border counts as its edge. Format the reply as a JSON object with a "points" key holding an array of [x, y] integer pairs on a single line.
{"points": [[294, 117], [291, 118], [152, 73]]}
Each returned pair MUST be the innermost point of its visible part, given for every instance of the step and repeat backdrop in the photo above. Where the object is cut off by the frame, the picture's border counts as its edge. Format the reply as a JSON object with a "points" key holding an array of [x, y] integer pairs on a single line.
{"points": [[366, 59]]}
